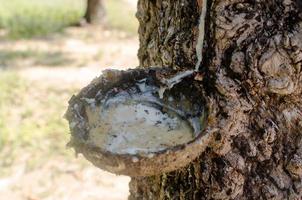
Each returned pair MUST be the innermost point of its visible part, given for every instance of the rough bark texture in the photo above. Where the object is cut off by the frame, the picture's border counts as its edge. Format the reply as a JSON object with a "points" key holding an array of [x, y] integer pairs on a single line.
{"points": [[168, 32], [95, 12], [252, 72]]}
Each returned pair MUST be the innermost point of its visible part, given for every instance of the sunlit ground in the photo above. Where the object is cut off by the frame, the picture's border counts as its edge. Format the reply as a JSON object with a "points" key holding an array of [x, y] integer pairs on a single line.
{"points": [[38, 74]]}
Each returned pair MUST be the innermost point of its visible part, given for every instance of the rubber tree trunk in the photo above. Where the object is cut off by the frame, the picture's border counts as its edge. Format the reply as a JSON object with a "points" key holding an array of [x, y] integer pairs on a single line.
{"points": [[95, 12], [252, 71]]}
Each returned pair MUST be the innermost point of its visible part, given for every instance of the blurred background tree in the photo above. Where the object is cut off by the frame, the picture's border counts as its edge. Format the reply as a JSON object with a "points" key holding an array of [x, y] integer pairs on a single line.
{"points": [[95, 12]]}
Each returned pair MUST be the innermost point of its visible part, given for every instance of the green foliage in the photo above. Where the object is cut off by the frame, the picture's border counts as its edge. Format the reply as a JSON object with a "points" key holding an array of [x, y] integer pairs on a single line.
{"points": [[30, 120], [35, 18], [121, 17], [10, 86], [26, 19], [37, 57]]}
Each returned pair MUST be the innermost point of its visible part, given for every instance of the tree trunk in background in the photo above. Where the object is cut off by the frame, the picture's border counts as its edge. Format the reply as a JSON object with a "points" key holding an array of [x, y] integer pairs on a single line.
{"points": [[252, 72], [95, 12]]}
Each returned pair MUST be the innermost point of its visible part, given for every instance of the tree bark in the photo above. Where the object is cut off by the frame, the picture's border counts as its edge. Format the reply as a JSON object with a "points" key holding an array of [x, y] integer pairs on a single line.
{"points": [[252, 72], [95, 12]]}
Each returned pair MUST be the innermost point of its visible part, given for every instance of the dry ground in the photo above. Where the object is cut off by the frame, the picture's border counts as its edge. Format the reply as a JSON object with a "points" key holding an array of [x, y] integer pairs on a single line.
{"points": [[53, 69]]}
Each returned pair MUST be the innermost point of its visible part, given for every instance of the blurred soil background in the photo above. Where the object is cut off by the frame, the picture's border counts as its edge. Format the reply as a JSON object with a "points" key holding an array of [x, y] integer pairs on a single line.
{"points": [[44, 59]]}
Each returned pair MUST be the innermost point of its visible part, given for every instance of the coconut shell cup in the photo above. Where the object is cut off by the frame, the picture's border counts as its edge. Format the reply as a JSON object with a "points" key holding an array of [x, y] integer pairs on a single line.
{"points": [[125, 145]]}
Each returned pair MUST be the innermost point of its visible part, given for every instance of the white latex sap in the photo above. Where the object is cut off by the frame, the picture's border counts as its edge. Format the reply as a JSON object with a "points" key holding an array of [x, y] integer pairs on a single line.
{"points": [[136, 123]]}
